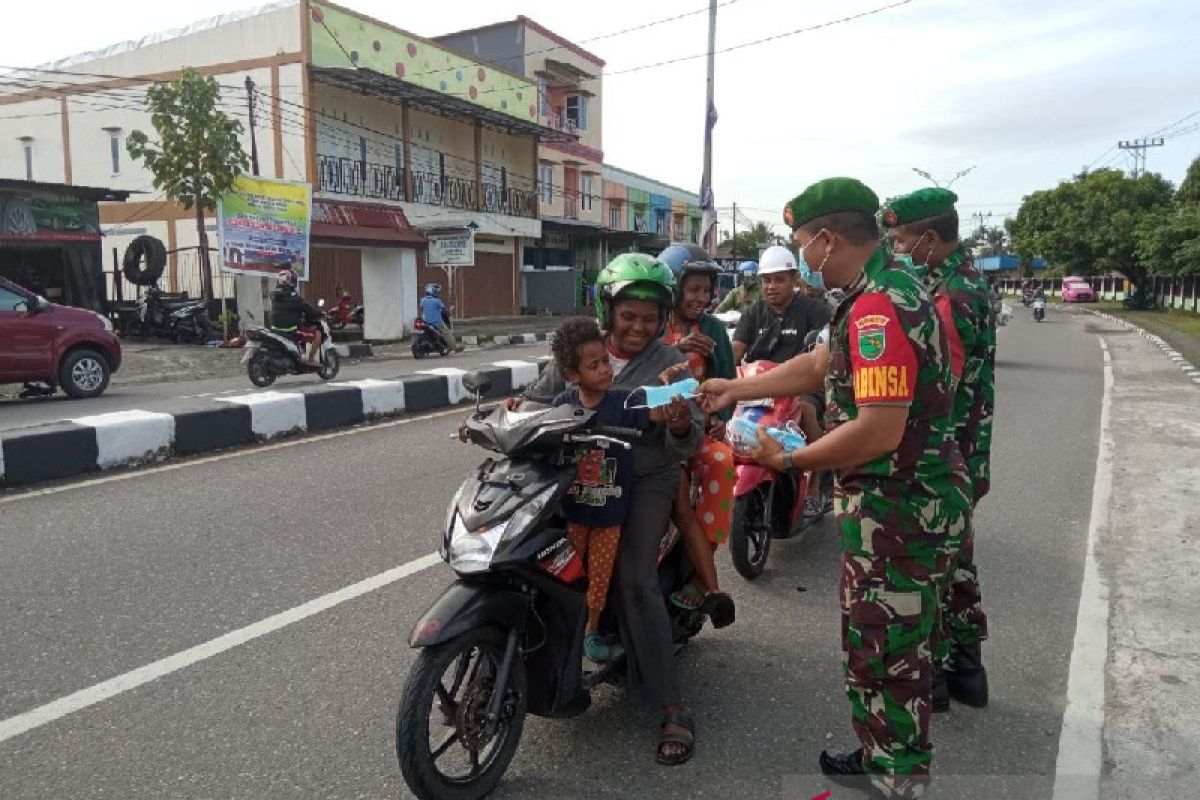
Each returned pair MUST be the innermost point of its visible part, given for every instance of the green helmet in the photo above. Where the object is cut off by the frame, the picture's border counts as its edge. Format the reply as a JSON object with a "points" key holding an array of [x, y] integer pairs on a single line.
{"points": [[635, 276]]}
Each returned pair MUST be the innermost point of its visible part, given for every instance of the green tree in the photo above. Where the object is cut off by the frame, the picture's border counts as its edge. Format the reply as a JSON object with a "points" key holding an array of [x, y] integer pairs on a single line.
{"points": [[1090, 224], [1189, 190], [1168, 240], [747, 244], [197, 155]]}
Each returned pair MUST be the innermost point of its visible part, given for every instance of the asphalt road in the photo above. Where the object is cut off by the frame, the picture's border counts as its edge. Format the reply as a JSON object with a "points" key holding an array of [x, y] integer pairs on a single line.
{"points": [[16, 413], [101, 578]]}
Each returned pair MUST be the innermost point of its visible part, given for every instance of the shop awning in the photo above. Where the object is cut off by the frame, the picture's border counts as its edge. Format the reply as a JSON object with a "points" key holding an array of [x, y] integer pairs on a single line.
{"points": [[371, 224]]}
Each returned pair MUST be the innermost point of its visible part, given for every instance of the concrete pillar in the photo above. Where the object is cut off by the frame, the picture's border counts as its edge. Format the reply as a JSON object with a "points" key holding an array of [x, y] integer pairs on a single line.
{"points": [[389, 278], [250, 290]]}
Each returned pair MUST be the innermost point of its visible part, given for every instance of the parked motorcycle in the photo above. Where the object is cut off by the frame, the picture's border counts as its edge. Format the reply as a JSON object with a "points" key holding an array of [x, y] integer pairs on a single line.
{"points": [[270, 354], [767, 504], [426, 340], [506, 638], [179, 320], [1039, 309], [344, 313]]}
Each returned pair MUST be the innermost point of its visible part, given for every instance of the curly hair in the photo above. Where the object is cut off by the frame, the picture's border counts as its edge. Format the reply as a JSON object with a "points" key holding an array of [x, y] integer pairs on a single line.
{"points": [[569, 338]]}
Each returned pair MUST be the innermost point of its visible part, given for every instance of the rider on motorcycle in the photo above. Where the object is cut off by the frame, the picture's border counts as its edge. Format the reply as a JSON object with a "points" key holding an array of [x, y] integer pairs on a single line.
{"points": [[433, 311], [289, 312], [741, 298]]}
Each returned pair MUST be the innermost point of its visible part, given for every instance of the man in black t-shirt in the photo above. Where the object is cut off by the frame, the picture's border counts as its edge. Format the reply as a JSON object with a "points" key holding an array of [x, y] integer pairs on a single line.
{"points": [[774, 328]]}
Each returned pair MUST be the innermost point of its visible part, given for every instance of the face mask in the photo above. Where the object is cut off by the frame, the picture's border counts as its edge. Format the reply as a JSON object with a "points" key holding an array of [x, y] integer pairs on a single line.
{"points": [[813, 278], [658, 396], [920, 272]]}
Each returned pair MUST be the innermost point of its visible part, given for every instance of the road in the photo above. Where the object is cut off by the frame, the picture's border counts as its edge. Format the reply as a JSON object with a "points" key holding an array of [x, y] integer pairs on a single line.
{"points": [[109, 575], [163, 396]]}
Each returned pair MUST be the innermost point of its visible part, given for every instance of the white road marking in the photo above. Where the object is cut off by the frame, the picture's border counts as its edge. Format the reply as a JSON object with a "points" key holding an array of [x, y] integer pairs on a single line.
{"points": [[1080, 743], [56, 709], [132, 474]]}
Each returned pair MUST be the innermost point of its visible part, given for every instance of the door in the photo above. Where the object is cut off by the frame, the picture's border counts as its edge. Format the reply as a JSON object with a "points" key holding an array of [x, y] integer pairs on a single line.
{"points": [[26, 336], [571, 191]]}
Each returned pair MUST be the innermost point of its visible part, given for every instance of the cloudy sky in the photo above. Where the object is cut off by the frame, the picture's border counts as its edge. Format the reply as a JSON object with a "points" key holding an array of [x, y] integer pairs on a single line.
{"points": [[1025, 91]]}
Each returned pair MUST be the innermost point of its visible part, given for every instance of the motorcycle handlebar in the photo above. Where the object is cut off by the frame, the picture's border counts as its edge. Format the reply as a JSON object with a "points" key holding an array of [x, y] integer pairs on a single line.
{"points": [[619, 433]]}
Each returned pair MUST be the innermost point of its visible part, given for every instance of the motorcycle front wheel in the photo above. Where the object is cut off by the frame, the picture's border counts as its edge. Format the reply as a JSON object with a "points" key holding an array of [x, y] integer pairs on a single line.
{"points": [[330, 365], [442, 743], [259, 370], [749, 534]]}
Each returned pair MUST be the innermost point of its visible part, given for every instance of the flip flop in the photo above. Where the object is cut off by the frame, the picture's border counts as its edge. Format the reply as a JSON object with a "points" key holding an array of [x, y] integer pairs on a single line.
{"points": [[596, 648], [687, 740]]}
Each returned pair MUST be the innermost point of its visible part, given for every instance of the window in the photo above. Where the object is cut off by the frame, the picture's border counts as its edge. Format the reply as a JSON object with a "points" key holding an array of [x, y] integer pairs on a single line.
{"points": [[543, 101], [639, 219], [114, 148], [677, 234], [614, 216], [585, 192], [9, 300], [577, 111], [695, 231], [660, 222], [27, 147], [546, 182]]}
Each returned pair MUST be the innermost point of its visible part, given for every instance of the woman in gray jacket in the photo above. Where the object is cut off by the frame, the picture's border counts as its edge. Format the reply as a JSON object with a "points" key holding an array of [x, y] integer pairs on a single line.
{"points": [[634, 298]]}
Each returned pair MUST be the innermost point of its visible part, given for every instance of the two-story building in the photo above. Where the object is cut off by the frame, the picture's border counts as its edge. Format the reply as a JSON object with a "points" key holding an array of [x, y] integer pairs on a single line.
{"points": [[646, 215], [569, 81], [399, 136]]}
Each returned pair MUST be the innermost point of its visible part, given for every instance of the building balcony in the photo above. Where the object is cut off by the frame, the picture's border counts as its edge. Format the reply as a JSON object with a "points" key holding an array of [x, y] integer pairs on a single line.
{"points": [[355, 178]]}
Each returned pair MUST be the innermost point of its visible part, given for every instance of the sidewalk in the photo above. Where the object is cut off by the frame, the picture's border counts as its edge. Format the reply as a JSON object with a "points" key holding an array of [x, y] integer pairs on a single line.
{"points": [[1149, 557]]}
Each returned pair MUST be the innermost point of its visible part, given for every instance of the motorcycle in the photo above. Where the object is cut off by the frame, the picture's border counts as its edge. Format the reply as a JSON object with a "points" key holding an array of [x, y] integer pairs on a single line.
{"points": [[270, 354], [506, 638], [344, 313], [767, 504], [1039, 309], [179, 320], [426, 340], [1026, 297]]}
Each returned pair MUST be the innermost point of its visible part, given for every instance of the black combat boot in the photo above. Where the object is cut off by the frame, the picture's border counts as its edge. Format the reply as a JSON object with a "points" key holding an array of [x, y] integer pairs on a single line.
{"points": [[941, 691], [966, 679], [845, 768]]}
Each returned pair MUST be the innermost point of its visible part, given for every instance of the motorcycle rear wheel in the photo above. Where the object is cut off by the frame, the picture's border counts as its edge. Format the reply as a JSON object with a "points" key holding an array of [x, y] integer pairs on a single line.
{"points": [[259, 370], [452, 713], [749, 534]]}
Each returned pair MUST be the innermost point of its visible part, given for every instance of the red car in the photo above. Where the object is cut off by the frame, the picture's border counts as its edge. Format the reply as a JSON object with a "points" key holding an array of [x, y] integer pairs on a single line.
{"points": [[41, 342]]}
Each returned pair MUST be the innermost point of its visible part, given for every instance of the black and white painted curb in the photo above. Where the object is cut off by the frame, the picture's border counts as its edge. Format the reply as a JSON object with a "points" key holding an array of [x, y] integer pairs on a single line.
{"points": [[125, 438], [1170, 352], [354, 350], [508, 338]]}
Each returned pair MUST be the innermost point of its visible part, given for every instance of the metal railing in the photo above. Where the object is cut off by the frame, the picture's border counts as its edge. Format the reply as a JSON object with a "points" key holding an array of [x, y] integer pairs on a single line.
{"points": [[357, 178]]}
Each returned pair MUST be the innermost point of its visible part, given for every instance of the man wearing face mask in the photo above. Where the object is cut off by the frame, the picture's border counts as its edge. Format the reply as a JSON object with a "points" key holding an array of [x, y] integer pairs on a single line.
{"points": [[924, 227], [902, 481]]}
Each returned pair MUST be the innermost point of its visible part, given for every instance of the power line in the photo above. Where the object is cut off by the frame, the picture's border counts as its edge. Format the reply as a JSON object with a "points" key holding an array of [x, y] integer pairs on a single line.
{"points": [[765, 39]]}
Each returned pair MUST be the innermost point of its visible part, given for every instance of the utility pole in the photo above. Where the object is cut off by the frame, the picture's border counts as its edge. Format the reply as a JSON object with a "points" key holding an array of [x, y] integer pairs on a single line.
{"points": [[1137, 148], [707, 199], [733, 247], [251, 102]]}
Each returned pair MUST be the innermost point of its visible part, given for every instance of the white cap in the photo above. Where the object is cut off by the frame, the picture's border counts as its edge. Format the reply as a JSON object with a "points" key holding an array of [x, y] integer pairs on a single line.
{"points": [[776, 258]]}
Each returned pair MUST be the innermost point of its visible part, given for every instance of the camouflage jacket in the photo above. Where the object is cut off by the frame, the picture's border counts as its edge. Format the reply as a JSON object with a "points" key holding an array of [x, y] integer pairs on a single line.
{"points": [[961, 294], [888, 347]]}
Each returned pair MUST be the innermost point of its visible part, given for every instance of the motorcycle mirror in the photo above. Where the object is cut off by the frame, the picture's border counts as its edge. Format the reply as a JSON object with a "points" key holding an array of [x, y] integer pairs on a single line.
{"points": [[321, 303], [477, 383]]}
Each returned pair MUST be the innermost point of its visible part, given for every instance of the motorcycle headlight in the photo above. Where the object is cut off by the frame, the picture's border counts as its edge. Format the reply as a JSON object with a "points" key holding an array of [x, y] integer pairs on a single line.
{"points": [[473, 551]]}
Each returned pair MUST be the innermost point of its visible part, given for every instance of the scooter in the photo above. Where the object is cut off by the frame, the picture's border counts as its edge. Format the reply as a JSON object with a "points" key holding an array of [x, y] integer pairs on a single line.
{"points": [[426, 340], [180, 320], [1039, 309], [506, 638], [1026, 297], [270, 354], [767, 504], [344, 313]]}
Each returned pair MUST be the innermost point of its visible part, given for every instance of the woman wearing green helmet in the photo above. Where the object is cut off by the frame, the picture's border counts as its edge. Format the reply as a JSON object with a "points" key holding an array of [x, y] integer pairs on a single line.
{"points": [[634, 297]]}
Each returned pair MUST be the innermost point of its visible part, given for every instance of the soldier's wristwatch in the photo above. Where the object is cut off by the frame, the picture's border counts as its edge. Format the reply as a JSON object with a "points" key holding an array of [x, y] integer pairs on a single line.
{"points": [[787, 464]]}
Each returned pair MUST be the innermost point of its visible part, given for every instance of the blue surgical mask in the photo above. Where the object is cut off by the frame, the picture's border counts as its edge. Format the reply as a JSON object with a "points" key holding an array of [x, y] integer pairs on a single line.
{"points": [[919, 271], [658, 396], [813, 278]]}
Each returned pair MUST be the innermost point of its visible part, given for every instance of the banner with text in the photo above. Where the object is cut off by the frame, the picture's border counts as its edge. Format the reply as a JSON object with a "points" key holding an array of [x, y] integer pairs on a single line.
{"points": [[264, 226]]}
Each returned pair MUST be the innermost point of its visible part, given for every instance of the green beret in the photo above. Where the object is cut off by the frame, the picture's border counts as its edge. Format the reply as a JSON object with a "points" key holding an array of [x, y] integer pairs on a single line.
{"points": [[830, 196], [931, 201]]}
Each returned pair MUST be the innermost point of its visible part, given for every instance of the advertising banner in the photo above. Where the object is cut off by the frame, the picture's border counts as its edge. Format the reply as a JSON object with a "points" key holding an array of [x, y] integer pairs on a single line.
{"points": [[264, 226]]}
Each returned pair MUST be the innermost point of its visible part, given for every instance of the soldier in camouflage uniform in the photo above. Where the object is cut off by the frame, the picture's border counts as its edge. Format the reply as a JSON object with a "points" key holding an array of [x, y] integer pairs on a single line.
{"points": [[924, 227], [902, 485]]}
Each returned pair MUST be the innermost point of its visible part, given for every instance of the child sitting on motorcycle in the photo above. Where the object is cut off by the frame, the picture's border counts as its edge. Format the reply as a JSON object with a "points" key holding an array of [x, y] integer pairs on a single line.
{"points": [[599, 499]]}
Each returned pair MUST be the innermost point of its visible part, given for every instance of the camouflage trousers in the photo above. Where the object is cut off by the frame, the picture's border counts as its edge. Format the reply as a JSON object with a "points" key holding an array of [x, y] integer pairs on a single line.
{"points": [[962, 620], [894, 569]]}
